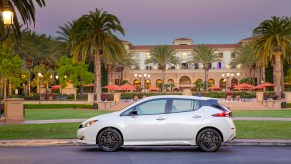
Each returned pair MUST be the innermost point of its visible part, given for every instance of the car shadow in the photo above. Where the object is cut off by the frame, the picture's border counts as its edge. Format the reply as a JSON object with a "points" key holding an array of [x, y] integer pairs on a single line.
{"points": [[154, 149]]}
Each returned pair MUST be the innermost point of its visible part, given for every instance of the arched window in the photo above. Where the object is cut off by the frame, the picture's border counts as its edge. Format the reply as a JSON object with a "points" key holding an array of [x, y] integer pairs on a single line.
{"points": [[222, 83], [159, 83], [147, 83], [136, 84], [211, 82], [185, 80], [234, 81], [170, 81]]}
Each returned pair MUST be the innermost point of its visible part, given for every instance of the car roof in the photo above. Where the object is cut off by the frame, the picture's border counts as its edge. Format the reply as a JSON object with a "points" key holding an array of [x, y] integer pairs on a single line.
{"points": [[178, 96]]}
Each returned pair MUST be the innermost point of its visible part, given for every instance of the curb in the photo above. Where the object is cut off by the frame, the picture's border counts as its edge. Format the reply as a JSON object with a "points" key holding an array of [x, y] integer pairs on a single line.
{"points": [[257, 142], [73, 142], [39, 142]]}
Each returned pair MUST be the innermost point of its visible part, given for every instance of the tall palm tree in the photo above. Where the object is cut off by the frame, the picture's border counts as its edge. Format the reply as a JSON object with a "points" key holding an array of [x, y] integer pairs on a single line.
{"points": [[92, 35], [25, 8], [245, 57], [273, 44], [163, 55], [205, 55]]}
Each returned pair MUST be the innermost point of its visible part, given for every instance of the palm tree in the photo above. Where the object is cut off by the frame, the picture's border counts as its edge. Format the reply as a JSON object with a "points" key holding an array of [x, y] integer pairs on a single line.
{"points": [[245, 57], [205, 55], [92, 35], [128, 62], [163, 55], [273, 44], [25, 8]]}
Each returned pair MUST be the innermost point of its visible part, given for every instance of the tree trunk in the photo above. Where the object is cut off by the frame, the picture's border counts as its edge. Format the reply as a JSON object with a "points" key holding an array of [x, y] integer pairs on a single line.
{"points": [[278, 73], [121, 75], [206, 79], [164, 78], [97, 77], [282, 80]]}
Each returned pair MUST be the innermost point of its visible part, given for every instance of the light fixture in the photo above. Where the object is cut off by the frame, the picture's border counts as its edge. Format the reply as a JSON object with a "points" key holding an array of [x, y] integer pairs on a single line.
{"points": [[7, 20]]}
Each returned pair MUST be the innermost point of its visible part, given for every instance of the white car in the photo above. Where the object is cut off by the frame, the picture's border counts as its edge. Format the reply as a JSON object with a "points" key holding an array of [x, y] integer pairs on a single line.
{"points": [[162, 120]]}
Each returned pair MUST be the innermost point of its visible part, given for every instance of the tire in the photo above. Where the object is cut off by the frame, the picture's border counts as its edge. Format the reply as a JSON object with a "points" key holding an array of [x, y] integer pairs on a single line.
{"points": [[109, 140], [209, 140]]}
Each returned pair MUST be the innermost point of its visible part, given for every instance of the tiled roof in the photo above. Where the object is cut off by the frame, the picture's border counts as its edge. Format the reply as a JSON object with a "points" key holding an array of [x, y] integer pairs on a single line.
{"points": [[182, 39], [184, 47], [248, 39], [125, 42]]}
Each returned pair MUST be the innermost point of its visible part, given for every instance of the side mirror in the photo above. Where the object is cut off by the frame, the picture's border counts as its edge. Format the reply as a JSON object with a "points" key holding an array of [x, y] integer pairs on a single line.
{"points": [[133, 113]]}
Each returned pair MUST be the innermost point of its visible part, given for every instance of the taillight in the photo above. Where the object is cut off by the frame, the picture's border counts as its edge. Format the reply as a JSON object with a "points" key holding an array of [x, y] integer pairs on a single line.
{"points": [[223, 114]]}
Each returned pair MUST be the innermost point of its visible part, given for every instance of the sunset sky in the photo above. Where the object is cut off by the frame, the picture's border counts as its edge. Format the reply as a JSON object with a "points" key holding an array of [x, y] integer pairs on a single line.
{"points": [[149, 22]]}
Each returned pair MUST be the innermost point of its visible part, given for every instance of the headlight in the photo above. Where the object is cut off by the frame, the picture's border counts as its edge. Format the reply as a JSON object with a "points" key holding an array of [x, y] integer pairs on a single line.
{"points": [[87, 124]]}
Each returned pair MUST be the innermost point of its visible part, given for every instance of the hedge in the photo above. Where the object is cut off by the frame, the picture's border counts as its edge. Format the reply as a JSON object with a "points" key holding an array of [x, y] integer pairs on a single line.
{"points": [[57, 106]]}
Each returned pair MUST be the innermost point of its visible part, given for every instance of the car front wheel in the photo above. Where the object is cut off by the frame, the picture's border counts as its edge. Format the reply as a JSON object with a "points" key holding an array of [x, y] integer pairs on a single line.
{"points": [[209, 140], [109, 140]]}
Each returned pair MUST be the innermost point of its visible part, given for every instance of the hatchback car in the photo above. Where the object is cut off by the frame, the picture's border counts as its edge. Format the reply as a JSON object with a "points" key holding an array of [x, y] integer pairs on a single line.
{"points": [[162, 120]]}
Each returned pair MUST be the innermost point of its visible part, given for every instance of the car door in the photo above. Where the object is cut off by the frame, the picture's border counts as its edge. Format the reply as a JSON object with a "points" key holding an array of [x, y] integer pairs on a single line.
{"points": [[184, 119], [150, 122]]}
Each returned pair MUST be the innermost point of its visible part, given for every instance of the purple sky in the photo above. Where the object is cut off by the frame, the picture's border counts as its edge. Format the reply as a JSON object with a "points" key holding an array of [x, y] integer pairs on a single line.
{"points": [[160, 21]]}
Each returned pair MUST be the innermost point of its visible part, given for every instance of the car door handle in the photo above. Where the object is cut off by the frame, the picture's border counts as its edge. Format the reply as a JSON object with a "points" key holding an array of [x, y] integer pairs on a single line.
{"points": [[196, 116], [160, 118]]}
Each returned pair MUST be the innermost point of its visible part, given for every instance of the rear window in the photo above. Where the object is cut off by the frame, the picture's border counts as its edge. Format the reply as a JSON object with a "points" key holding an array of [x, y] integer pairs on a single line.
{"points": [[212, 103]]}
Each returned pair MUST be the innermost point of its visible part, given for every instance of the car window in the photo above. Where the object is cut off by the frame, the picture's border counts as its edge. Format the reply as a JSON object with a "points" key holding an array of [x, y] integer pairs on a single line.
{"points": [[212, 103], [152, 107], [182, 105]]}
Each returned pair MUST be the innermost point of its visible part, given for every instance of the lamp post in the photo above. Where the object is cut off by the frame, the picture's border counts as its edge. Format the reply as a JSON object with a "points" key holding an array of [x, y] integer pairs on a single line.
{"points": [[7, 19], [144, 78], [39, 89], [226, 82]]}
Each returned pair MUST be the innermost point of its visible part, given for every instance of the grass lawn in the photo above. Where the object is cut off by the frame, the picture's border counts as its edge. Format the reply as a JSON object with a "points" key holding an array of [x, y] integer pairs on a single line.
{"points": [[262, 113], [39, 131], [52, 114], [245, 130], [263, 129]]}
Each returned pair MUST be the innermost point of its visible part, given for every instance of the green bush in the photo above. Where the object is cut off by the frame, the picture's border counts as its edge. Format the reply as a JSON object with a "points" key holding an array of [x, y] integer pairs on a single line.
{"points": [[141, 94], [288, 105], [57, 106]]}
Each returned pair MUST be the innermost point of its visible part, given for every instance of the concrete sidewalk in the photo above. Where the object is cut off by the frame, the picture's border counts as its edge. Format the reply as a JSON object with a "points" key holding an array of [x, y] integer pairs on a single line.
{"points": [[73, 142]]}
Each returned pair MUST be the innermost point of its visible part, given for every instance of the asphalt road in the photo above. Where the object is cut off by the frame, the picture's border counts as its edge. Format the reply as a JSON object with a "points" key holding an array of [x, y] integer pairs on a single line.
{"points": [[144, 155]]}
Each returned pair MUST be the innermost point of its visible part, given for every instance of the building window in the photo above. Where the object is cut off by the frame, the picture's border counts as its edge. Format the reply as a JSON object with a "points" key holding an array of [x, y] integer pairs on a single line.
{"points": [[184, 66], [219, 65], [209, 65], [220, 55], [232, 55], [184, 56], [196, 66], [149, 55]]}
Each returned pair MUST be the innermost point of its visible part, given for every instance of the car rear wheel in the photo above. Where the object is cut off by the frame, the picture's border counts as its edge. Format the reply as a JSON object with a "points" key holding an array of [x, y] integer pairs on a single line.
{"points": [[209, 140], [109, 140]]}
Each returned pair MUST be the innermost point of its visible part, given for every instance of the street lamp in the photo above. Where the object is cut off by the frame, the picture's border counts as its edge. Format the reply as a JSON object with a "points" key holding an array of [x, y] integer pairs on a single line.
{"points": [[7, 19], [144, 78], [39, 90], [226, 83]]}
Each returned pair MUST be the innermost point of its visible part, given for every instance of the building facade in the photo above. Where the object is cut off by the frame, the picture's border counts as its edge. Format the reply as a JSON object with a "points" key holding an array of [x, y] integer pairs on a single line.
{"points": [[183, 75]]}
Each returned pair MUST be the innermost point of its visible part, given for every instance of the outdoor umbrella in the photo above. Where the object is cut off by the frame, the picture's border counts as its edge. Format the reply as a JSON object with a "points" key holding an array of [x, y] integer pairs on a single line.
{"points": [[244, 86], [55, 87], [88, 85], [126, 87], [111, 87], [154, 89], [214, 87], [267, 85]]}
